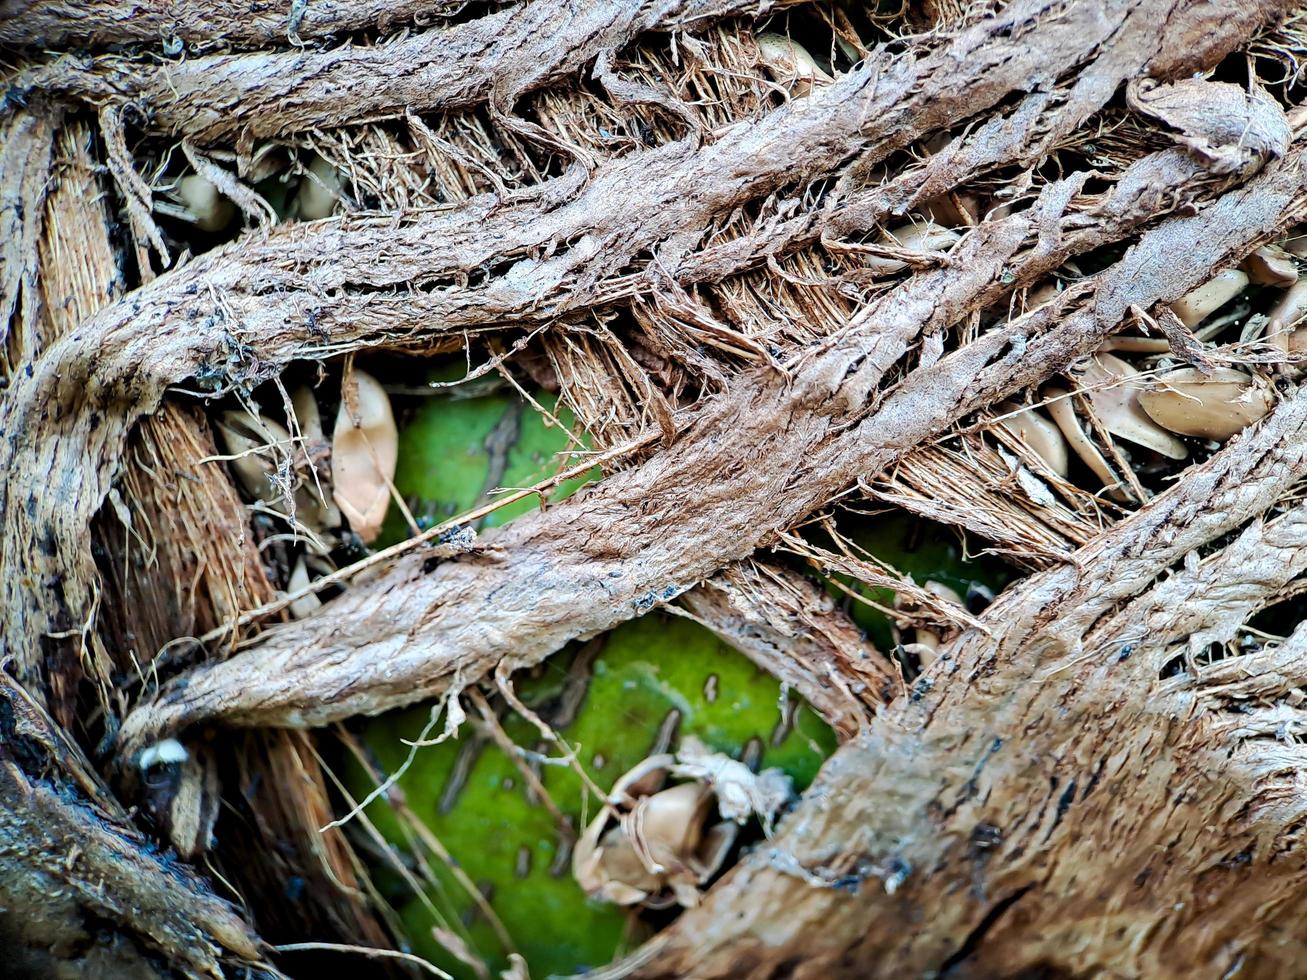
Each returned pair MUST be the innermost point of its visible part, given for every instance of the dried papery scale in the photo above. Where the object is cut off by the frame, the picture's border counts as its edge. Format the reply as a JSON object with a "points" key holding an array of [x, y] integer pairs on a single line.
{"points": [[364, 448], [924, 643], [790, 64], [319, 190], [917, 236], [1113, 392], [298, 581], [1198, 304], [198, 202], [1061, 406], [1284, 326], [259, 455], [1270, 266], [656, 844], [1217, 404], [1041, 436]]}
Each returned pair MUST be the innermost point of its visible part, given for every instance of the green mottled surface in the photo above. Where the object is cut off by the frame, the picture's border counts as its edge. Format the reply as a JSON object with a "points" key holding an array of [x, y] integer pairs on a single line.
{"points": [[503, 840], [646, 668], [925, 551], [445, 452]]}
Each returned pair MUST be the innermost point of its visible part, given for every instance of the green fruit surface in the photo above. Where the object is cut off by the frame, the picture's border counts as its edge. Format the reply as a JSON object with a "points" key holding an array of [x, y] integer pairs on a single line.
{"points": [[452, 452]]}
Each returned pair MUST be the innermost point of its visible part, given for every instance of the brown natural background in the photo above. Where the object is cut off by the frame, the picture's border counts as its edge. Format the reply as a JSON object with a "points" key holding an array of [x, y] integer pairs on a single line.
{"points": [[638, 206]]}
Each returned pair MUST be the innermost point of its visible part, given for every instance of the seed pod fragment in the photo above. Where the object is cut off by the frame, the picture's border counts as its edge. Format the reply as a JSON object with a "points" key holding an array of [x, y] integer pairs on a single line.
{"points": [[253, 445], [202, 204], [914, 236], [1284, 328], [1215, 406], [790, 64], [1115, 399], [1270, 266], [1062, 410], [364, 450], [319, 190], [1040, 436], [1197, 305]]}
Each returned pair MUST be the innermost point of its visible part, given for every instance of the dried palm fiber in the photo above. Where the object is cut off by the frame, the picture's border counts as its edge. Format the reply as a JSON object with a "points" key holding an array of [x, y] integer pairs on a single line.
{"points": [[85, 892], [227, 23], [68, 863], [812, 425], [770, 614], [808, 117], [494, 58], [1071, 658], [1010, 333], [275, 287], [1023, 511], [174, 555], [596, 390]]}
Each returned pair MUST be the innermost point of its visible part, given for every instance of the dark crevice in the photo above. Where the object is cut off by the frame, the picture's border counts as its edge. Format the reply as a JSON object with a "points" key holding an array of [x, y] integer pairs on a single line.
{"points": [[977, 935]]}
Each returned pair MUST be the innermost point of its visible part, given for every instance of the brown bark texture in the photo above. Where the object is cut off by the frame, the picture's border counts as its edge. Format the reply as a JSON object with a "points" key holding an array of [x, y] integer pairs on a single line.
{"points": [[1075, 785], [70, 23]]}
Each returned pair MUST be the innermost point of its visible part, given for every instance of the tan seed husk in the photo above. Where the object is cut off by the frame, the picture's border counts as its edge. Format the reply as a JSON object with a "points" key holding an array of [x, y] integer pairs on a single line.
{"points": [[319, 191], [1215, 406], [1270, 266], [1040, 435], [790, 64], [1283, 328], [253, 448], [1114, 396], [1064, 414], [365, 447], [1198, 304], [203, 205]]}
